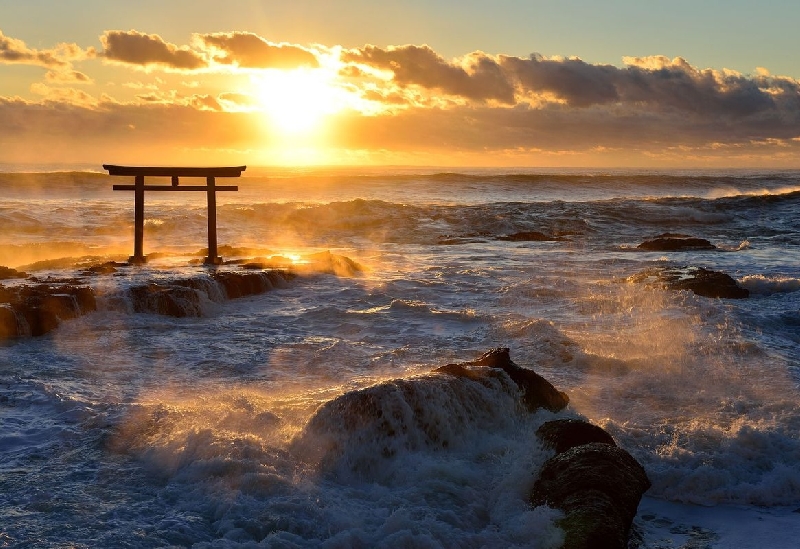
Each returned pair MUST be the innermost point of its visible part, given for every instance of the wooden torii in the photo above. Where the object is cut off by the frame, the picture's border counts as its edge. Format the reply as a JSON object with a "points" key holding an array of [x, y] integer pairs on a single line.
{"points": [[139, 188]]}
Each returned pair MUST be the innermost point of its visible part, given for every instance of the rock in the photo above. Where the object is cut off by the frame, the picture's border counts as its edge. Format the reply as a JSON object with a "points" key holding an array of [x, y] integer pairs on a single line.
{"points": [[168, 300], [7, 273], [537, 391], [563, 434], [109, 267], [598, 486], [528, 236], [9, 325], [355, 433], [701, 281], [240, 284], [670, 242], [39, 308]]}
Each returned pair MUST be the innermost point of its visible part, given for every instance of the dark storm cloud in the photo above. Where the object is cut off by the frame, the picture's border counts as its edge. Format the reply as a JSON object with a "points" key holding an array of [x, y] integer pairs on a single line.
{"points": [[136, 48], [421, 66], [248, 50]]}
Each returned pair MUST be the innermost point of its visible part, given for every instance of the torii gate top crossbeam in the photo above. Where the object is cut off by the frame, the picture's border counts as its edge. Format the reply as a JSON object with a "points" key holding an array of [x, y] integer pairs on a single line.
{"points": [[175, 171]]}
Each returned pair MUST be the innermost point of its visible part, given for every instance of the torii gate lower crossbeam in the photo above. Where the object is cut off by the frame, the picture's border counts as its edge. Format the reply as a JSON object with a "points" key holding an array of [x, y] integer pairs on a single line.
{"points": [[139, 188]]}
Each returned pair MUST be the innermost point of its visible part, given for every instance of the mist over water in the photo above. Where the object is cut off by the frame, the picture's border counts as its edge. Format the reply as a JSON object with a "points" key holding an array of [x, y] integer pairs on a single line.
{"points": [[123, 429]]}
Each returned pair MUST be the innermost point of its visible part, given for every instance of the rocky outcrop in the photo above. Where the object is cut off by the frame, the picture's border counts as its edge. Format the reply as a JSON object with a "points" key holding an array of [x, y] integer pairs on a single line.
{"points": [[7, 273], [352, 433], [38, 306], [537, 391], [36, 309], [673, 242], [184, 297], [597, 484], [701, 281]]}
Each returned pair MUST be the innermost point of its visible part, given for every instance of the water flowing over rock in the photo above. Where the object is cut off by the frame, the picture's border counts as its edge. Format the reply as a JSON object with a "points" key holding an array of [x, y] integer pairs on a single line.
{"points": [[39, 306], [36, 309]]}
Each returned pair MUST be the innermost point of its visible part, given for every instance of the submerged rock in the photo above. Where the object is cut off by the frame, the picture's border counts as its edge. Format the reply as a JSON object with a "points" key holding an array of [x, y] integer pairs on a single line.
{"points": [[537, 391], [671, 242], [598, 486], [701, 281]]}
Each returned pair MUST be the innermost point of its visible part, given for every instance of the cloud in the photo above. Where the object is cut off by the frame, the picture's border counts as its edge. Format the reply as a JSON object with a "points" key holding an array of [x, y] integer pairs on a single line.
{"points": [[575, 82], [477, 104], [248, 50], [13, 50], [136, 48], [481, 79], [68, 76]]}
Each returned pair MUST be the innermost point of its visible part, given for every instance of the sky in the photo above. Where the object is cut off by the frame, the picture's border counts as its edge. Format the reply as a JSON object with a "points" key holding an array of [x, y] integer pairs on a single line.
{"points": [[569, 83]]}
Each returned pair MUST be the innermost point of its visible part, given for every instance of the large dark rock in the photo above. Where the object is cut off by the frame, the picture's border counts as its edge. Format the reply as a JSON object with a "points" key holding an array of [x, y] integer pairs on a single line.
{"points": [[355, 433], [598, 486], [537, 391], [563, 434], [701, 281], [675, 243]]}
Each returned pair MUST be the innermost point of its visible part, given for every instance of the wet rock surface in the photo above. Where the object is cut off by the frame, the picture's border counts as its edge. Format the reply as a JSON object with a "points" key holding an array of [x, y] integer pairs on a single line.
{"points": [[537, 391], [674, 242], [36, 309], [599, 487], [701, 281], [38, 306], [563, 434]]}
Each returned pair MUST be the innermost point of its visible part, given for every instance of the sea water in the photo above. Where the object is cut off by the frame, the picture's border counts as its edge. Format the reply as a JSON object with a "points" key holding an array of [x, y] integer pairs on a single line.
{"points": [[138, 430]]}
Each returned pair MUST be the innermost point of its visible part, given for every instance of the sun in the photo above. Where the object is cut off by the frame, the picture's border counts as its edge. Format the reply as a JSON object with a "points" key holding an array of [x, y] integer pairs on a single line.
{"points": [[296, 102]]}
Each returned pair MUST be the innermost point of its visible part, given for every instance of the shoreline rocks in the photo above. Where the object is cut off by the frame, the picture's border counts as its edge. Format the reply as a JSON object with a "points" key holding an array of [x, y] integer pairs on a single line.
{"points": [[36, 307]]}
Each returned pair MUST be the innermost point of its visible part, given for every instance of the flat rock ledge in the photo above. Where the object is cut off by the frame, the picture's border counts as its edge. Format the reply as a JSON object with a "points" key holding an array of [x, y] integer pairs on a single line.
{"points": [[35, 307]]}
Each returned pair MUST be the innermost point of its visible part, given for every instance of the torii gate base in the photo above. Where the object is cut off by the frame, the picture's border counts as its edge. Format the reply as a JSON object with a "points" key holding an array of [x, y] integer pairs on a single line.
{"points": [[138, 188]]}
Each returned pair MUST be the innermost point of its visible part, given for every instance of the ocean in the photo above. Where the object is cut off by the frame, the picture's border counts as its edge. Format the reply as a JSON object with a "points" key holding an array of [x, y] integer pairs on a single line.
{"points": [[124, 429]]}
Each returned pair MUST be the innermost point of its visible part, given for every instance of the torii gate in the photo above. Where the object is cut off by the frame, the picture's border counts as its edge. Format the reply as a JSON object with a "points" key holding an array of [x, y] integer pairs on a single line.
{"points": [[138, 188]]}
